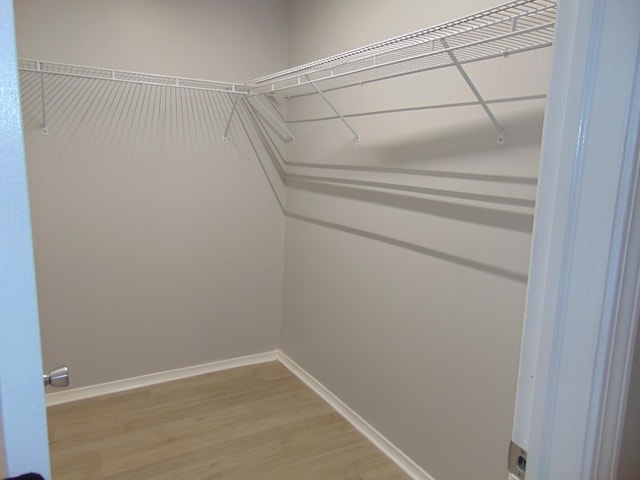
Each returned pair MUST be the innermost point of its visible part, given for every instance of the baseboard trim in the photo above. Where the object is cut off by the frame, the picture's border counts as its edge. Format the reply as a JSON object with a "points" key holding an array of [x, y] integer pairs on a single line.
{"points": [[82, 393], [384, 445]]}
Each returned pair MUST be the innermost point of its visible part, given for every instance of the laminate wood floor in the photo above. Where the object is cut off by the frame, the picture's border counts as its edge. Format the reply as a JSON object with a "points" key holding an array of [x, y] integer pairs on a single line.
{"points": [[257, 422]]}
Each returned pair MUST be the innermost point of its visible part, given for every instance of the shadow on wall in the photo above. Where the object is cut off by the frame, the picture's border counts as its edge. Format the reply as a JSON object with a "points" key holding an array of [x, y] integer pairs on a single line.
{"points": [[417, 184], [431, 252], [514, 221], [521, 130]]}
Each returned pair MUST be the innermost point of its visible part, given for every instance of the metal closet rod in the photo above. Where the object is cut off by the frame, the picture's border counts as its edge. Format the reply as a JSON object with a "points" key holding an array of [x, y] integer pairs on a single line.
{"points": [[420, 108]]}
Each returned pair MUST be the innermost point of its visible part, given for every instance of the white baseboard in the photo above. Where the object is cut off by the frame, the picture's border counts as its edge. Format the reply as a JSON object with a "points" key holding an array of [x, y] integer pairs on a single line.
{"points": [[380, 441], [410, 467], [71, 395]]}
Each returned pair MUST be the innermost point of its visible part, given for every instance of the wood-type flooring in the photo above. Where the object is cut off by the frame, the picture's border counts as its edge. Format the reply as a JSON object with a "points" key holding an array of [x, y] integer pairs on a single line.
{"points": [[256, 422]]}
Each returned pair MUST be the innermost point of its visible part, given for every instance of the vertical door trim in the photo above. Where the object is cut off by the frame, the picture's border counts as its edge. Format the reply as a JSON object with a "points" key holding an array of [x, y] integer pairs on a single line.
{"points": [[582, 306], [24, 425]]}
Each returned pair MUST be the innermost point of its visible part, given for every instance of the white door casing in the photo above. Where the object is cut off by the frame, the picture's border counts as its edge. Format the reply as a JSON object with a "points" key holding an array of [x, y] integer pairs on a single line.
{"points": [[22, 410], [581, 314]]}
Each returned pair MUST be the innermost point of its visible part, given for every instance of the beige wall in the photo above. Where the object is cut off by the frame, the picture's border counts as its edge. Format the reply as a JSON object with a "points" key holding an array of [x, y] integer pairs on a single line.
{"points": [[405, 295], [157, 246], [629, 466], [225, 40]]}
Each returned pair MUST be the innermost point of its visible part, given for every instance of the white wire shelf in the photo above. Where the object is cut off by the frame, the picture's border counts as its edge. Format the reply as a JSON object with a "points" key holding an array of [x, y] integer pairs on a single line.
{"points": [[513, 27], [96, 73]]}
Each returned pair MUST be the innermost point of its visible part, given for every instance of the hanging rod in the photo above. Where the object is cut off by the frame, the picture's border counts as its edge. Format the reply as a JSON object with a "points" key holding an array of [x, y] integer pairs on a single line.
{"points": [[513, 27], [419, 108], [96, 73]]}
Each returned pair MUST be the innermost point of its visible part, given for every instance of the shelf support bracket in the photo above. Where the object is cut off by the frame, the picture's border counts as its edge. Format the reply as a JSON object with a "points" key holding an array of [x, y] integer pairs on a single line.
{"points": [[292, 138], [45, 131], [233, 109], [475, 91], [324, 97]]}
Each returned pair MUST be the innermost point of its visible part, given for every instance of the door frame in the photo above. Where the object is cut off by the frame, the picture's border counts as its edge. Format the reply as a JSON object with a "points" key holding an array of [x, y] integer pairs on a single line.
{"points": [[582, 300], [22, 406]]}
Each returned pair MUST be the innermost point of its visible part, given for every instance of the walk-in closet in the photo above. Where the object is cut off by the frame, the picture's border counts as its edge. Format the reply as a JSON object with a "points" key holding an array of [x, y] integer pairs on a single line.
{"points": [[344, 187]]}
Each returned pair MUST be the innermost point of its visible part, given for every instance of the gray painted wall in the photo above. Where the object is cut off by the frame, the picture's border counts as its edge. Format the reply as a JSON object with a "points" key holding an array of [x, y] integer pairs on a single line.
{"points": [[629, 466], [157, 246], [407, 300]]}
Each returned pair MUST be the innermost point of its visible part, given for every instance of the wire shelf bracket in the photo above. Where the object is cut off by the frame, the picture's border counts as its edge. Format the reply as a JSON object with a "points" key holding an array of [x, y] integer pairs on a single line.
{"points": [[475, 91], [233, 110], [45, 130], [324, 97]]}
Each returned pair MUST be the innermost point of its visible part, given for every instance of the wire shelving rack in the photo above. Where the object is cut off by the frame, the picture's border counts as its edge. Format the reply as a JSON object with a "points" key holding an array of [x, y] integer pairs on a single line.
{"points": [[514, 27], [96, 73]]}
